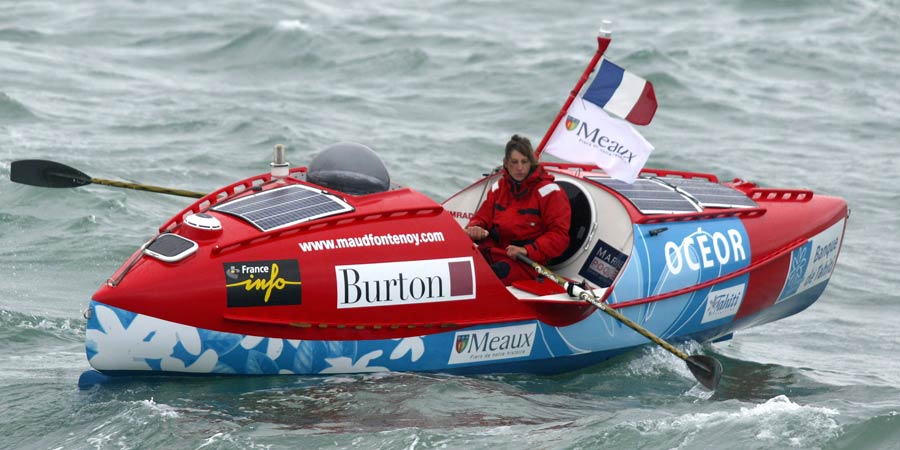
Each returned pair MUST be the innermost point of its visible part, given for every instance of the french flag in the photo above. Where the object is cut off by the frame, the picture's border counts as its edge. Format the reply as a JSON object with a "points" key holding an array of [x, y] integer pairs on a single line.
{"points": [[622, 93]]}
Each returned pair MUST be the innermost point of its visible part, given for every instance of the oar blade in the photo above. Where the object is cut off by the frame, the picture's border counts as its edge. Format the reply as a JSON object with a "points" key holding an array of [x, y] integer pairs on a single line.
{"points": [[39, 172], [706, 369]]}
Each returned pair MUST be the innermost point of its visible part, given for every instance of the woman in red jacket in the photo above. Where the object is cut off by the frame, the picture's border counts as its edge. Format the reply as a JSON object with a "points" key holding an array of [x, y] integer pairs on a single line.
{"points": [[524, 213]]}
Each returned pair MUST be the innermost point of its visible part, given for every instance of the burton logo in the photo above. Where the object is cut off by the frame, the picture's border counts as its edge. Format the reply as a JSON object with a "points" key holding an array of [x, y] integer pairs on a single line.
{"points": [[405, 282], [263, 283]]}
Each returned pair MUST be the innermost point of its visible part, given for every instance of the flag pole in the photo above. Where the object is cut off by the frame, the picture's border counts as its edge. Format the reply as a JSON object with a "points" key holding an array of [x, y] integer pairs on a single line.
{"points": [[603, 40]]}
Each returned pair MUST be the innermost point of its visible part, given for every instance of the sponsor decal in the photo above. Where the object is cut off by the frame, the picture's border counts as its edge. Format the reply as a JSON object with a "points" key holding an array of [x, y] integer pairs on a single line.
{"points": [[462, 214], [604, 264], [462, 342], [373, 240], [492, 344], [723, 303], [405, 282], [813, 262], [598, 137], [796, 270], [262, 283], [702, 250], [684, 255]]}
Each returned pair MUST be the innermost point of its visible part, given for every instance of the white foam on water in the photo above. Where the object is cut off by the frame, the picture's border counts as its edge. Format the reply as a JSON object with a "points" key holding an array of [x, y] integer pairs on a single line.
{"points": [[777, 421], [291, 25], [160, 409], [656, 361], [215, 439], [699, 392], [227, 440], [50, 325], [340, 380]]}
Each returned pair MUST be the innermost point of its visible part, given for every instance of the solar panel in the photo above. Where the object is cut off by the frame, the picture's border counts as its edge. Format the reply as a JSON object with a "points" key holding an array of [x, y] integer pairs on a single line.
{"points": [[284, 206], [650, 197], [709, 194]]}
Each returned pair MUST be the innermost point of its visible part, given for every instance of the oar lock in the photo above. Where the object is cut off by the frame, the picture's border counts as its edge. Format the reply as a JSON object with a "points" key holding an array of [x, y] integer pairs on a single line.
{"points": [[571, 285]]}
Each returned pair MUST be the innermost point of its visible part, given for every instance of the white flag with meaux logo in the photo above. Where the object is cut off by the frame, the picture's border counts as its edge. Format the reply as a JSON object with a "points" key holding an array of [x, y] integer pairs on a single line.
{"points": [[590, 136]]}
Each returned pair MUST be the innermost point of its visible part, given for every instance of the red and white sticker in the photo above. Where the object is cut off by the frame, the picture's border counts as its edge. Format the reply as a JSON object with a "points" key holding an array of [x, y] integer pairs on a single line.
{"points": [[405, 282]]}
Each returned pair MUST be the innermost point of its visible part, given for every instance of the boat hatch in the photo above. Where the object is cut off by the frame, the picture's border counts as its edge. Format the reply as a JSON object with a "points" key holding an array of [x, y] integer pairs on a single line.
{"points": [[284, 206], [170, 248], [581, 220], [672, 195]]}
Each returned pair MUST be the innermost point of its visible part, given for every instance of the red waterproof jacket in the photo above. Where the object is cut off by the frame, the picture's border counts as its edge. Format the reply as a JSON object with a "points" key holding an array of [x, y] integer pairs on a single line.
{"points": [[533, 213]]}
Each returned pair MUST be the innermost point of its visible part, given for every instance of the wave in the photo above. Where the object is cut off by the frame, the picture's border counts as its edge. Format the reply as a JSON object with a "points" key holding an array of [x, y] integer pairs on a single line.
{"points": [[286, 43], [21, 35], [776, 422], [881, 432], [20, 329], [14, 111]]}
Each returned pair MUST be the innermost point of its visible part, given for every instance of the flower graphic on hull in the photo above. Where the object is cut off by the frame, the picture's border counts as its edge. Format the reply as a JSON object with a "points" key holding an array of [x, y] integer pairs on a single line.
{"points": [[344, 364], [139, 342], [415, 346]]}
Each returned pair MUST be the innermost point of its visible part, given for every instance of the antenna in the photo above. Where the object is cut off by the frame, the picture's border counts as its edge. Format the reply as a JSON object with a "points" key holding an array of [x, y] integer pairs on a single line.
{"points": [[605, 28], [280, 167]]}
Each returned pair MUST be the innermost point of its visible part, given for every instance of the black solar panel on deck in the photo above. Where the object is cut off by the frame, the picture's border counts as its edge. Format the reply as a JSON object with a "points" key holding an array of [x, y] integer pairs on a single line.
{"points": [[649, 196], [709, 194], [284, 206]]}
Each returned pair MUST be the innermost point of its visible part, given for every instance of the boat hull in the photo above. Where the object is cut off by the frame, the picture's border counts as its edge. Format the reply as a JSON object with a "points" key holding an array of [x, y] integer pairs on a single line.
{"points": [[682, 277], [121, 341]]}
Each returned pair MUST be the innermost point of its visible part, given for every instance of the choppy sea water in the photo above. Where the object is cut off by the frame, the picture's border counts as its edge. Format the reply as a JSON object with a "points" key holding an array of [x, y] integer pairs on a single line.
{"points": [[193, 96]]}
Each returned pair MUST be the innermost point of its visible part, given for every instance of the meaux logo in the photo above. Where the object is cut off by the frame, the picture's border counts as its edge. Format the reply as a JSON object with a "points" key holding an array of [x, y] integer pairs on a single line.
{"points": [[263, 283], [492, 344], [405, 282], [598, 139]]}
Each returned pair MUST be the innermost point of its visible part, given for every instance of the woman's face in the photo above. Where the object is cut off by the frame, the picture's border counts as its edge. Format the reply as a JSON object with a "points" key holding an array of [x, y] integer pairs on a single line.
{"points": [[517, 165]]}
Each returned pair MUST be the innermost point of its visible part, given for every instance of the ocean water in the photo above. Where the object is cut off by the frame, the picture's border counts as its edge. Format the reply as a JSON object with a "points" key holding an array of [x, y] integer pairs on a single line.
{"points": [[193, 96]]}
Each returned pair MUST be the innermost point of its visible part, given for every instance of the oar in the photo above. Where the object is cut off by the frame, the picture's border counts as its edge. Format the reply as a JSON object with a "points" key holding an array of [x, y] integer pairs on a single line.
{"points": [[38, 172], [706, 369]]}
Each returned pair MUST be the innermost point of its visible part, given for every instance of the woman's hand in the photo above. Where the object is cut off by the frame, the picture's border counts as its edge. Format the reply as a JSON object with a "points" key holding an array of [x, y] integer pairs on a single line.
{"points": [[476, 233], [514, 250]]}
